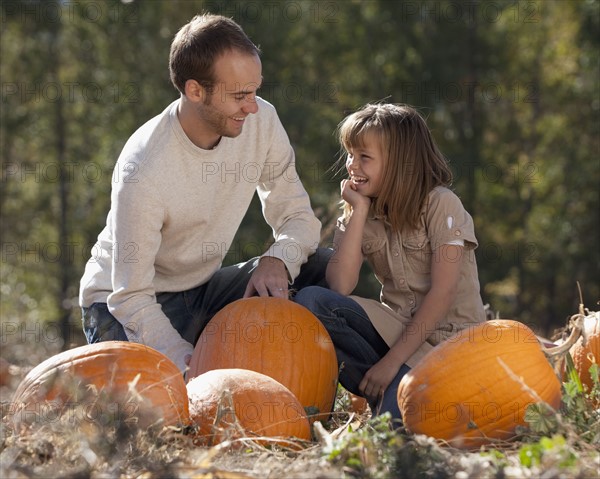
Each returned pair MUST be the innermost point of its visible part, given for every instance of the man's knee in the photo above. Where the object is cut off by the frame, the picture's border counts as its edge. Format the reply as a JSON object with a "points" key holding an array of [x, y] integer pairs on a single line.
{"points": [[319, 300], [308, 296]]}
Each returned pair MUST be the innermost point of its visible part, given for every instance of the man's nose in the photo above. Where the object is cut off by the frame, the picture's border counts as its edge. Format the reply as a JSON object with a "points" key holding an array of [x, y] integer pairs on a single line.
{"points": [[250, 105]]}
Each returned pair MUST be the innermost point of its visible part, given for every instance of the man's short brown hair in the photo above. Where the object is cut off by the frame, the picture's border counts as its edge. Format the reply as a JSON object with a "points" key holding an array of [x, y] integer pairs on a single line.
{"points": [[199, 43]]}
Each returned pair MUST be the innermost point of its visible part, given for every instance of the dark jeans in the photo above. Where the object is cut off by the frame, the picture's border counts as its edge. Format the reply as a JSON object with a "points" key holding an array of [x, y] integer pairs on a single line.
{"points": [[190, 311], [357, 343]]}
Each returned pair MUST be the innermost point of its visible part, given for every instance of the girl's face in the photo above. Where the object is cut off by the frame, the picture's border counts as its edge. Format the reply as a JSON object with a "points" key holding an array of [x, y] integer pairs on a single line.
{"points": [[365, 166]]}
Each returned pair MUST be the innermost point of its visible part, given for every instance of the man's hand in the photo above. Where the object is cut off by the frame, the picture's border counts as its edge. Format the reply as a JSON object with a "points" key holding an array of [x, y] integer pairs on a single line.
{"points": [[270, 278]]}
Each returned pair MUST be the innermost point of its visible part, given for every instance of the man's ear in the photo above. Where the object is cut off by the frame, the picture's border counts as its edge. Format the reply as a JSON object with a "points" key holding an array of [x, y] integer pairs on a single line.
{"points": [[194, 91]]}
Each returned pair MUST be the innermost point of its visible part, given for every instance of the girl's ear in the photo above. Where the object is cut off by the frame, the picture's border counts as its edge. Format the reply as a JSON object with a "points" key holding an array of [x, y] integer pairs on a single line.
{"points": [[194, 91]]}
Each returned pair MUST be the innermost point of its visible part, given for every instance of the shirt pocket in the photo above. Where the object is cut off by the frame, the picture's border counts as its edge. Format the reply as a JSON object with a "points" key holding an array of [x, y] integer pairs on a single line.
{"points": [[375, 251], [417, 249]]}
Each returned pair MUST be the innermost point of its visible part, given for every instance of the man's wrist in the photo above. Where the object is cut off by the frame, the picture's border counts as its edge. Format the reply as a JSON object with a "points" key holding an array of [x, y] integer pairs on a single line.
{"points": [[274, 260]]}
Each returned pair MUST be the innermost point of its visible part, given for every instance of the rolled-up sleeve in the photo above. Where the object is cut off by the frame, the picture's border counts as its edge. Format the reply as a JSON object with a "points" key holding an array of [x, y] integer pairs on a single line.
{"points": [[448, 220]]}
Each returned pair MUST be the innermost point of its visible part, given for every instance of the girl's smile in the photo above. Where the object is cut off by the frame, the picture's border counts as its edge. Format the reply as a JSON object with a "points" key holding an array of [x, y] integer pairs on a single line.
{"points": [[357, 180]]}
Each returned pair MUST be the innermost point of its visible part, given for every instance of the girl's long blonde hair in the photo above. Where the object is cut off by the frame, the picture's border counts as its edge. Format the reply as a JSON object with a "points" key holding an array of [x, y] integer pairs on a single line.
{"points": [[413, 164]]}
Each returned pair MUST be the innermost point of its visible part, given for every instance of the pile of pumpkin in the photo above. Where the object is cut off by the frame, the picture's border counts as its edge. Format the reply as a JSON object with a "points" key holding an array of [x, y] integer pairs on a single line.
{"points": [[265, 368]]}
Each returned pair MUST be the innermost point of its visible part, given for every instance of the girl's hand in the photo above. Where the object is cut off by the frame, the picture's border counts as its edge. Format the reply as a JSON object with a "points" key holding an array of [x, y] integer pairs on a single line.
{"points": [[378, 378], [343, 268], [352, 196]]}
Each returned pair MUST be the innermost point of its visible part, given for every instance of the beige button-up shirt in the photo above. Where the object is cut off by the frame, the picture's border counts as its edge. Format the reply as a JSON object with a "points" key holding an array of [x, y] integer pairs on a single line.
{"points": [[402, 264]]}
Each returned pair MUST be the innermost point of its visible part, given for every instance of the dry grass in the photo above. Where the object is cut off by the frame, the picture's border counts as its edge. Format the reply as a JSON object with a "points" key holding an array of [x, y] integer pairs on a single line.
{"points": [[80, 445]]}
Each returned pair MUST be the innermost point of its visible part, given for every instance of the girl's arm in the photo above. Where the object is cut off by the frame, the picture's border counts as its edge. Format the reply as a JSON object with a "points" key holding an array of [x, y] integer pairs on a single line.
{"points": [[445, 275], [344, 266]]}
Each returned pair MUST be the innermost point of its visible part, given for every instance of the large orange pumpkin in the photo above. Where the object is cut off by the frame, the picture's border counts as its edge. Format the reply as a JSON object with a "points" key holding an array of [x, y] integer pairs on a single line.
{"points": [[223, 399], [586, 350], [112, 380], [276, 337], [474, 388]]}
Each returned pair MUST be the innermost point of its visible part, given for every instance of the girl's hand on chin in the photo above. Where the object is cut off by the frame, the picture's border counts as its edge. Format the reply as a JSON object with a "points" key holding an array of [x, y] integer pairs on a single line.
{"points": [[353, 197]]}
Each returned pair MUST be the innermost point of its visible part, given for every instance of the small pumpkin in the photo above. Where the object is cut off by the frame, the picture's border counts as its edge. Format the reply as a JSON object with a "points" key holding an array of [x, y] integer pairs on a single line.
{"points": [[586, 350], [234, 403], [473, 389], [276, 337], [112, 380]]}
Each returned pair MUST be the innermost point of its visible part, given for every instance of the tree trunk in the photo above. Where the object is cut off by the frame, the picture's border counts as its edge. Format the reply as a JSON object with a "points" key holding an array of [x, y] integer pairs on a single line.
{"points": [[65, 177]]}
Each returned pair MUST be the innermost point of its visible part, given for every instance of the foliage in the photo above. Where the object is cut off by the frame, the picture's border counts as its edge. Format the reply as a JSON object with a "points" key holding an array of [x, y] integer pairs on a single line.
{"points": [[377, 450], [510, 90], [579, 417], [511, 93], [556, 447]]}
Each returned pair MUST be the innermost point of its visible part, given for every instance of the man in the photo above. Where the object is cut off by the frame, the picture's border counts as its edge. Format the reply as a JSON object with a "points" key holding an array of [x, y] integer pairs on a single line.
{"points": [[181, 187]]}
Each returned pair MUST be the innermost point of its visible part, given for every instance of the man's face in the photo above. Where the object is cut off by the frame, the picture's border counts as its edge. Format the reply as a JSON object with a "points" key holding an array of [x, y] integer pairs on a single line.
{"points": [[224, 111]]}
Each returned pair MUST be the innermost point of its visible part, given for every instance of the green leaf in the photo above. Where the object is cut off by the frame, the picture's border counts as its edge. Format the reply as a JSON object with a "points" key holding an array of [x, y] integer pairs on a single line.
{"points": [[572, 374], [530, 455], [541, 418]]}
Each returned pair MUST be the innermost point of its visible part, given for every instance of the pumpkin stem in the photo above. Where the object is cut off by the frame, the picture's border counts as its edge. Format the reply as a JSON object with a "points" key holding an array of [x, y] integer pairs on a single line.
{"points": [[577, 322], [581, 311]]}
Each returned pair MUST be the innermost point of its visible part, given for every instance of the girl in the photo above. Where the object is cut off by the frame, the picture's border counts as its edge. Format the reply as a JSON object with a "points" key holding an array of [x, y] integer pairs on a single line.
{"points": [[419, 240]]}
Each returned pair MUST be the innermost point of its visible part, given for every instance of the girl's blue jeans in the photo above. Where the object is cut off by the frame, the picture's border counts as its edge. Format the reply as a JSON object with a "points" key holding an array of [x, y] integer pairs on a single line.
{"points": [[357, 343]]}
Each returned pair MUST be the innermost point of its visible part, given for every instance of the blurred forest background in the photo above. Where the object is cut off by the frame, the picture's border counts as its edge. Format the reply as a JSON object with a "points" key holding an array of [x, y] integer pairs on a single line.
{"points": [[510, 90]]}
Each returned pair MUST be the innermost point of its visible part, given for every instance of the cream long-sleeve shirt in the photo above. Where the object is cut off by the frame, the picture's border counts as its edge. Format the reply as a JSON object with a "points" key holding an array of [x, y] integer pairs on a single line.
{"points": [[175, 209]]}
